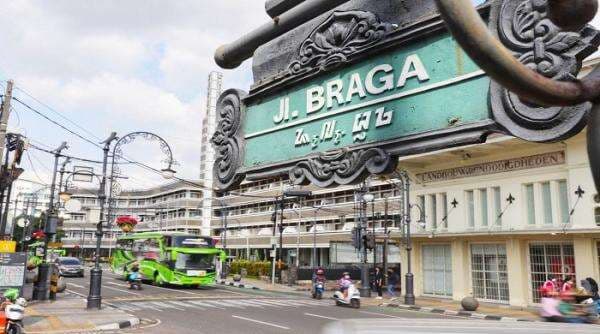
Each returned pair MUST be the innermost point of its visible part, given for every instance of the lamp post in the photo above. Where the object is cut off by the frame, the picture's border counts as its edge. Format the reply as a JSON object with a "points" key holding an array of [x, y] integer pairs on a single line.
{"points": [[94, 299], [314, 228], [40, 288], [365, 198]]}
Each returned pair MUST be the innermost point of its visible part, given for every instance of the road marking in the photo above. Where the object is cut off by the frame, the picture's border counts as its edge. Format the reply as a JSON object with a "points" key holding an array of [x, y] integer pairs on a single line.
{"points": [[147, 306], [186, 304], [321, 316], [260, 322], [196, 302], [76, 285], [166, 305], [226, 304], [254, 303], [121, 290]]}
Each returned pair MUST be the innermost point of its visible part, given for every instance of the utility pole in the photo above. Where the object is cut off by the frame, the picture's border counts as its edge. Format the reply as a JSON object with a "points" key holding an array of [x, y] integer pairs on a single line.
{"points": [[94, 299], [40, 289], [4, 115]]}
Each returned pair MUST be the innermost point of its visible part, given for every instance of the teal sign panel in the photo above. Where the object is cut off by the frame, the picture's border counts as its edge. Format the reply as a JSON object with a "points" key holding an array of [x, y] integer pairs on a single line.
{"points": [[421, 87]]}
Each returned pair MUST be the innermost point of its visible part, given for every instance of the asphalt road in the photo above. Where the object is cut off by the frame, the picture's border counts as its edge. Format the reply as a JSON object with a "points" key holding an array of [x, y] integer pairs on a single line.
{"points": [[233, 310]]}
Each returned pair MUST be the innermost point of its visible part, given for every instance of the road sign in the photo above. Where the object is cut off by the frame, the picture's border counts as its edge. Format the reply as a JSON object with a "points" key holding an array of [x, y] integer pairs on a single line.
{"points": [[12, 270], [8, 246], [346, 92]]}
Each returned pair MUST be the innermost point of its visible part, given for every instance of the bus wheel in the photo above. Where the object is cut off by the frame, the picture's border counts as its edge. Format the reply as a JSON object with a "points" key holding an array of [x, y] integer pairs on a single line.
{"points": [[157, 280]]}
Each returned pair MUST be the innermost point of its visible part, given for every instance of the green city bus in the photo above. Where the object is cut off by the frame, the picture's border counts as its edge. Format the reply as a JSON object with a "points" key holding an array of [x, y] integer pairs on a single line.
{"points": [[174, 258]]}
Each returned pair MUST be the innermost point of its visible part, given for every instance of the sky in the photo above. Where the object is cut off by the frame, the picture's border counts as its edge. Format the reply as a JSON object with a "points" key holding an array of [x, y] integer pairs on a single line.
{"points": [[118, 65]]}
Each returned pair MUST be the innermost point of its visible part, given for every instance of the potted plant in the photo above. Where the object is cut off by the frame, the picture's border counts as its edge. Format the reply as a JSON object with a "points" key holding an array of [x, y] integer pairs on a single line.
{"points": [[126, 223]]}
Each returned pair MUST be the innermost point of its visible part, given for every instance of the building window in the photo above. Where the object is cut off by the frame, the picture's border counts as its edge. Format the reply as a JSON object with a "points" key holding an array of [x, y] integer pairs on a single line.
{"points": [[484, 206], [497, 205], [530, 202], [549, 259], [547, 203], [437, 270], [597, 215], [563, 195], [432, 198], [488, 269], [470, 208], [423, 208], [445, 210]]}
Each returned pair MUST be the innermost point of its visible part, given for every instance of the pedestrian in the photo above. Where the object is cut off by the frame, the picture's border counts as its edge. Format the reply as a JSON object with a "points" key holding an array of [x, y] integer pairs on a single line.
{"points": [[378, 282], [550, 286], [393, 280], [569, 286]]}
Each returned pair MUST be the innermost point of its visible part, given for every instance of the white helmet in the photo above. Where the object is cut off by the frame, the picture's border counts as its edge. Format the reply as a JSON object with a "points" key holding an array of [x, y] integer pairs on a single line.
{"points": [[21, 301]]}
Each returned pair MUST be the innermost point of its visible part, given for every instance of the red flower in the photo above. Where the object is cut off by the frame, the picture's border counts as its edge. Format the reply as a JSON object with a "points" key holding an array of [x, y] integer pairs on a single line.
{"points": [[39, 234], [129, 220]]}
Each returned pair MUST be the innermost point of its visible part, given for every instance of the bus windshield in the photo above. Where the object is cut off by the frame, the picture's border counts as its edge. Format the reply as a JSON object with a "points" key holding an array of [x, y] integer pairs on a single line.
{"points": [[195, 261]]}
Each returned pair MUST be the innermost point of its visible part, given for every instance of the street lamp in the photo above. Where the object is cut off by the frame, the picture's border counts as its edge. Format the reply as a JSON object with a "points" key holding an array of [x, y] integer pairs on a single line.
{"points": [[314, 230], [167, 173], [65, 195], [40, 289]]}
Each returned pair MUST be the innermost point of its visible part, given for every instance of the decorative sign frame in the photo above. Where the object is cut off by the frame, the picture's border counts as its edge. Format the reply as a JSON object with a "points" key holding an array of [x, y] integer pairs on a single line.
{"points": [[341, 96]]}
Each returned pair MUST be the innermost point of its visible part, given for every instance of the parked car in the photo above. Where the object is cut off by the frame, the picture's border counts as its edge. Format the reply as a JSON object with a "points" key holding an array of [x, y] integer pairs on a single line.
{"points": [[70, 266]]}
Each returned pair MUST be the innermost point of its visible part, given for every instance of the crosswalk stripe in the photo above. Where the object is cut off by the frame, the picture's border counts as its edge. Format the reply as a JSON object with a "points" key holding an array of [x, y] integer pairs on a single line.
{"points": [[145, 305], [226, 304], [278, 303], [166, 305], [205, 304], [186, 304]]}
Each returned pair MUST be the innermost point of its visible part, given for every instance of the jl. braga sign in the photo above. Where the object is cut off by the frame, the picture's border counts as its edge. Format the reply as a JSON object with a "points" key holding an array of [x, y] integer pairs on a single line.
{"points": [[345, 93], [426, 86]]}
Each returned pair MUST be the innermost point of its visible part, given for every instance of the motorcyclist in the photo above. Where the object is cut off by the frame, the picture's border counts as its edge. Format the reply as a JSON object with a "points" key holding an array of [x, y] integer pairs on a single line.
{"points": [[345, 283], [135, 273], [9, 297], [320, 276]]}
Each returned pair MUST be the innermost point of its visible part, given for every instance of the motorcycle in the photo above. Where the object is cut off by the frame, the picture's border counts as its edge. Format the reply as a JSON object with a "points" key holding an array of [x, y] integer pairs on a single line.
{"points": [[318, 289], [352, 299], [14, 314], [135, 281]]}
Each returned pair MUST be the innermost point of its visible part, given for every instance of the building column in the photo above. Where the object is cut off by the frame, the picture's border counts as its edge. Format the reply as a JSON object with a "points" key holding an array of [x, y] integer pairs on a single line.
{"points": [[461, 272], [518, 273], [586, 260]]}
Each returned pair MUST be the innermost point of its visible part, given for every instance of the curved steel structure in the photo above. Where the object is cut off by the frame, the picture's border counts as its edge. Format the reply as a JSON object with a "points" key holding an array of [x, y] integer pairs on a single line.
{"points": [[117, 155]]}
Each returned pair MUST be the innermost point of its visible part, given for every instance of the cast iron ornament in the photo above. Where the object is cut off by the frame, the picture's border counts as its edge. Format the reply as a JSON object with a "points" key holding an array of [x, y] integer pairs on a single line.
{"points": [[228, 140], [340, 166], [525, 29], [334, 41]]}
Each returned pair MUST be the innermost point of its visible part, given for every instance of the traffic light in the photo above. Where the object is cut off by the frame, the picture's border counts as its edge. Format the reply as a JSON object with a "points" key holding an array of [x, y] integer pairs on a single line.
{"points": [[356, 239], [369, 241]]}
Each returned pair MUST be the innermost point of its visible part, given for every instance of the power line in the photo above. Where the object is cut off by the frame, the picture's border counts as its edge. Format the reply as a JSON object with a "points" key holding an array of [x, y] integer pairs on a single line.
{"points": [[56, 112], [32, 167], [56, 123]]}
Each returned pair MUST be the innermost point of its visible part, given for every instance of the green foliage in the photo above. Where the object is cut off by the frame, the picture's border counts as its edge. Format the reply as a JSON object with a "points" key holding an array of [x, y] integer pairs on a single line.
{"points": [[253, 268]]}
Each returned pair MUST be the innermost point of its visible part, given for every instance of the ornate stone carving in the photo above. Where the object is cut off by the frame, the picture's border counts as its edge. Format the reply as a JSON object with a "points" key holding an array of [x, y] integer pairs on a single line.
{"points": [[524, 28], [340, 166], [228, 140], [339, 37]]}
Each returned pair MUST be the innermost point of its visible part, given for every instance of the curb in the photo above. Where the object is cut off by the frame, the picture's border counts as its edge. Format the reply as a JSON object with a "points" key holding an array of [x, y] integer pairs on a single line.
{"points": [[460, 313], [132, 322], [239, 285]]}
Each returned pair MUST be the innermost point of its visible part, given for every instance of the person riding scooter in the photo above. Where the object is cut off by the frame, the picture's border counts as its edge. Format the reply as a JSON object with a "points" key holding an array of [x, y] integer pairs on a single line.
{"points": [[319, 280], [134, 276], [345, 283]]}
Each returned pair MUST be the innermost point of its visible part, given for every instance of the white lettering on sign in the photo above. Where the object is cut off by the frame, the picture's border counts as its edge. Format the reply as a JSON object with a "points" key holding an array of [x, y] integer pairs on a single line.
{"points": [[284, 111], [361, 125], [314, 99], [378, 80]]}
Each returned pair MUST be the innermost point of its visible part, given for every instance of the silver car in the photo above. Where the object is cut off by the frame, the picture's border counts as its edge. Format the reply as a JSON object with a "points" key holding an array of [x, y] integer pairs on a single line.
{"points": [[70, 266]]}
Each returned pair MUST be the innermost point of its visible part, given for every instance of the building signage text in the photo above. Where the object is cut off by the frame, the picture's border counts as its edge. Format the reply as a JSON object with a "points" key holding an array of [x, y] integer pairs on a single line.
{"points": [[501, 166]]}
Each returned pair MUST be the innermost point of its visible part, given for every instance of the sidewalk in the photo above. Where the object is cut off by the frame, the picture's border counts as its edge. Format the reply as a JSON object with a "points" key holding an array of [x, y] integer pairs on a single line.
{"points": [[485, 311], [68, 314]]}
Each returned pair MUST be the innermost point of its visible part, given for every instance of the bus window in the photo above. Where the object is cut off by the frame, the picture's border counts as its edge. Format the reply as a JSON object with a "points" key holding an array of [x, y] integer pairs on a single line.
{"points": [[194, 261]]}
